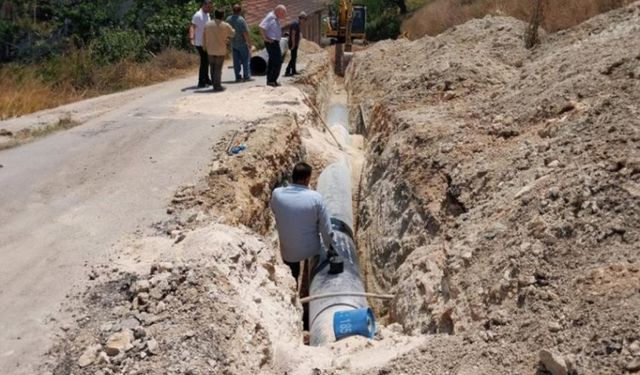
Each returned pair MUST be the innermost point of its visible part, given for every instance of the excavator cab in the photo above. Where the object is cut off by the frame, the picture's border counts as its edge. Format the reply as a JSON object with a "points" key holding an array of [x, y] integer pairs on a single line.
{"points": [[338, 22]]}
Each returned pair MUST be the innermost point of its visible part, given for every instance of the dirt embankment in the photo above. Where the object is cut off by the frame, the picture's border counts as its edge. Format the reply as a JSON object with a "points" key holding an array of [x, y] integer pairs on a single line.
{"points": [[439, 15], [501, 199]]}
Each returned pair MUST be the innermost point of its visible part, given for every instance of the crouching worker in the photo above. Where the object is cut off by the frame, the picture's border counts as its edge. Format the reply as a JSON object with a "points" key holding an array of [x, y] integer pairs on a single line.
{"points": [[302, 219]]}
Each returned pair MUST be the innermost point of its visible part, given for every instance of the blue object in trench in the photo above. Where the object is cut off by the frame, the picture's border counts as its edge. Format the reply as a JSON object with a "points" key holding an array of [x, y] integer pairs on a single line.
{"points": [[238, 149], [354, 322]]}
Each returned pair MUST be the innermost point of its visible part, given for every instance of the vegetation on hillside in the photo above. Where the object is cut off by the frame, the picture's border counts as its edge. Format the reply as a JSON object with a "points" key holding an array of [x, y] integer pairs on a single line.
{"points": [[57, 51], [384, 17]]}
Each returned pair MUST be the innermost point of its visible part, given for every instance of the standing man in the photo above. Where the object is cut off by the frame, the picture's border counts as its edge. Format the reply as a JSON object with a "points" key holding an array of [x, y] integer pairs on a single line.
{"points": [[302, 219], [217, 35], [271, 34], [294, 42], [240, 44], [196, 30]]}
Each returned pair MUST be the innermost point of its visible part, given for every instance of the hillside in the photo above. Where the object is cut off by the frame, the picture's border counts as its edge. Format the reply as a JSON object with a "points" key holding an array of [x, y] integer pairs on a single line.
{"points": [[439, 15]]}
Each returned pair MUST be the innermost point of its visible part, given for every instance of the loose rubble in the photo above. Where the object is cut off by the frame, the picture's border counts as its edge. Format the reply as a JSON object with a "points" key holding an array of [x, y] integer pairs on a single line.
{"points": [[500, 196], [196, 315]]}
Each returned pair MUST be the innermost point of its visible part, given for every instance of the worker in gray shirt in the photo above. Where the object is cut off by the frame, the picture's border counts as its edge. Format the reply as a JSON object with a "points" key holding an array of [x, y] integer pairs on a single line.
{"points": [[302, 219]]}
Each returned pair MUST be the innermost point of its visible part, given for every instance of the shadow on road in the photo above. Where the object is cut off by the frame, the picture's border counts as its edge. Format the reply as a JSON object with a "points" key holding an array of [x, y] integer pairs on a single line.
{"points": [[189, 88]]}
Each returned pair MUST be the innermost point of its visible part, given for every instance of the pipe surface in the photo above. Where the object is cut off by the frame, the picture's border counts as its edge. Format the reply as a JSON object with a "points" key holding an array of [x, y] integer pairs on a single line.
{"points": [[334, 184], [344, 294], [321, 310], [343, 291], [260, 59]]}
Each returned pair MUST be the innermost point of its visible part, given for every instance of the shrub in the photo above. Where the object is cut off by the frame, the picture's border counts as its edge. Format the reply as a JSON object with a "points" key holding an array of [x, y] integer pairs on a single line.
{"points": [[75, 68], [118, 45], [8, 37], [385, 27], [166, 27], [256, 37]]}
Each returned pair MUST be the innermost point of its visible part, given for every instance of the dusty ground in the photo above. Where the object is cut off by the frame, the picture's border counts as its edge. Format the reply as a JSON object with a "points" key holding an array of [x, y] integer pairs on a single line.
{"points": [[501, 195], [499, 201], [207, 293]]}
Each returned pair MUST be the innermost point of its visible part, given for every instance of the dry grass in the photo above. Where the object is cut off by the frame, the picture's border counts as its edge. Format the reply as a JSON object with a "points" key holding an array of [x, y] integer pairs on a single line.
{"points": [[27, 89], [439, 15]]}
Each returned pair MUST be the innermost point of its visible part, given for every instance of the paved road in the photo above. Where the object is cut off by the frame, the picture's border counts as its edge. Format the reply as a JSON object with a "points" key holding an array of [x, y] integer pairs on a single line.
{"points": [[67, 198]]}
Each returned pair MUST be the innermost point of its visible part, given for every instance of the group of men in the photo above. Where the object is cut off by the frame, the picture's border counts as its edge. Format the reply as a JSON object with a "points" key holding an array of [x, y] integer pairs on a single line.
{"points": [[212, 37]]}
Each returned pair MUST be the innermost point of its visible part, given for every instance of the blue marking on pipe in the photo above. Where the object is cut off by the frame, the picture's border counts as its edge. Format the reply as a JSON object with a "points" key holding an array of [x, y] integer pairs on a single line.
{"points": [[359, 322]]}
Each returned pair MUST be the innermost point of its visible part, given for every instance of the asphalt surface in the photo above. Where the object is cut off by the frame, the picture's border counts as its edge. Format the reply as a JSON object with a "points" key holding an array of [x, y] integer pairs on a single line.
{"points": [[66, 199]]}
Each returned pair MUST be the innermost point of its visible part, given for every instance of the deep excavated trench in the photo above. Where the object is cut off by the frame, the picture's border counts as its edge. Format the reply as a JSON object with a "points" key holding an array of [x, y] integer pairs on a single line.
{"points": [[339, 183]]}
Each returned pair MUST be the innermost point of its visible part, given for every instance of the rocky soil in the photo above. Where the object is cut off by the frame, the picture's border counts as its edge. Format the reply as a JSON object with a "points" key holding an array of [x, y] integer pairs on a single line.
{"points": [[200, 313], [501, 198], [499, 202]]}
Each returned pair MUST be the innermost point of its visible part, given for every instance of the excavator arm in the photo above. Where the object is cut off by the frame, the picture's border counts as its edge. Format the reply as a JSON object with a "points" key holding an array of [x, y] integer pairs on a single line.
{"points": [[346, 22]]}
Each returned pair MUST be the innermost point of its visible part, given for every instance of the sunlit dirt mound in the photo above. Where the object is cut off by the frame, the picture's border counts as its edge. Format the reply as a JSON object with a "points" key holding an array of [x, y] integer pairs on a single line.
{"points": [[502, 193]]}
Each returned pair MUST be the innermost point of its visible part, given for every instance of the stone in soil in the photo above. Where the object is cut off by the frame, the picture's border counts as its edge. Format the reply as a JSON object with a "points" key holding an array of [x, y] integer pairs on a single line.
{"points": [[553, 362], [89, 356], [119, 343], [633, 365], [153, 347]]}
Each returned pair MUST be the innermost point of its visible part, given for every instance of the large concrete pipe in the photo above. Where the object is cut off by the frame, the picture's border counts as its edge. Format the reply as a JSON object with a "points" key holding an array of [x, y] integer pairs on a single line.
{"points": [[335, 186], [338, 122], [260, 59]]}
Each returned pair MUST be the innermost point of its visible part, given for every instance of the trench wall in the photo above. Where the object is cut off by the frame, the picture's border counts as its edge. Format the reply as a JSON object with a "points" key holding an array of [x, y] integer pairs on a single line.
{"points": [[500, 184]]}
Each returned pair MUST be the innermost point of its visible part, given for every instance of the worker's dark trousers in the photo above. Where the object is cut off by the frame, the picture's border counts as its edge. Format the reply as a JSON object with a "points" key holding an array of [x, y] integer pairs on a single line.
{"points": [[291, 68], [275, 61], [216, 63], [203, 76], [304, 287]]}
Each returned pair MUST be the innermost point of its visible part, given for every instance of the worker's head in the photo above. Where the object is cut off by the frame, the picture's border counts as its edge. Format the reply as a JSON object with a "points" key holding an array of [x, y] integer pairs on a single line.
{"points": [[301, 174], [302, 16], [237, 9], [281, 11], [207, 6], [218, 14]]}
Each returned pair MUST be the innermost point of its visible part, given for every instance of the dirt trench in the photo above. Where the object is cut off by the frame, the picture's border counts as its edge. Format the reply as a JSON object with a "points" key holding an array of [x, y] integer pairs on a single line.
{"points": [[497, 198], [209, 293]]}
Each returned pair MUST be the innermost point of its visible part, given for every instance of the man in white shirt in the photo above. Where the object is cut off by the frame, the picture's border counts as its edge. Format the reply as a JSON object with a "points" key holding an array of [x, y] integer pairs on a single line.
{"points": [[196, 31], [271, 34], [302, 219]]}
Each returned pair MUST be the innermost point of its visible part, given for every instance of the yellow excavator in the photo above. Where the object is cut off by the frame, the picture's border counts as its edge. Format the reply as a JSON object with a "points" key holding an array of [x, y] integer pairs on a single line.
{"points": [[346, 22]]}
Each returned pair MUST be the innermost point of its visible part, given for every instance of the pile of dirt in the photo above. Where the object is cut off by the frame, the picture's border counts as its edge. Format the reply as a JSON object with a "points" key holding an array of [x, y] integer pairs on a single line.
{"points": [[501, 195], [220, 302], [309, 49], [439, 15]]}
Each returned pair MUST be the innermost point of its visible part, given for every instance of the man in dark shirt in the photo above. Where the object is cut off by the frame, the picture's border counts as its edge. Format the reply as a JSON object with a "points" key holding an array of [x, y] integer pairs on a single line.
{"points": [[294, 43]]}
